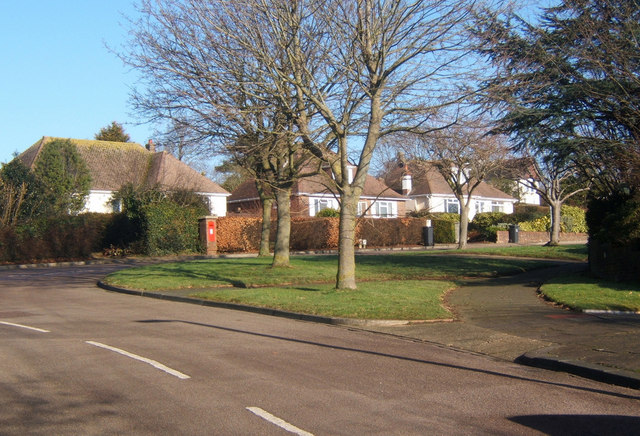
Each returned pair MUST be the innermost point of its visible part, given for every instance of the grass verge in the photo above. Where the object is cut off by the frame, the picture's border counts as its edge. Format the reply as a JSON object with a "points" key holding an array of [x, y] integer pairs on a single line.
{"points": [[391, 300], [304, 270], [407, 286], [580, 292], [565, 252]]}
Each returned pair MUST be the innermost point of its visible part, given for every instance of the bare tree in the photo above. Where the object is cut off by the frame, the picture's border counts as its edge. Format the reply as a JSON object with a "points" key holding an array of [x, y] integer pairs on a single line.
{"points": [[465, 156], [556, 181]]}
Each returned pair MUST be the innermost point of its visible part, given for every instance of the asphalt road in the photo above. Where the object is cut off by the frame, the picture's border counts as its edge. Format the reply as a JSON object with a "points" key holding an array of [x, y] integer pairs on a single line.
{"points": [[75, 359]]}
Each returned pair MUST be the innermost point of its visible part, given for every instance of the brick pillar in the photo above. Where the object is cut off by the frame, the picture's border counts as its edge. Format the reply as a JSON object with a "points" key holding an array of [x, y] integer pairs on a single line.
{"points": [[208, 231]]}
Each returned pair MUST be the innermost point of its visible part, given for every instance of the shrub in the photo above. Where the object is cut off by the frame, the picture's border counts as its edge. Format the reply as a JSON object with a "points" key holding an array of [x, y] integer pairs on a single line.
{"points": [[486, 225], [171, 228], [542, 224], [615, 219], [444, 231], [528, 212], [485, 220], [573, 219], [328, 213], [155, 222]]}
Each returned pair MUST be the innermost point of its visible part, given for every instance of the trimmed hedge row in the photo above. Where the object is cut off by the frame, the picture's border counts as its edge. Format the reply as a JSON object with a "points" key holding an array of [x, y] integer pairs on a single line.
{"points": [[167, 228], [242, 234], [65, 238]]}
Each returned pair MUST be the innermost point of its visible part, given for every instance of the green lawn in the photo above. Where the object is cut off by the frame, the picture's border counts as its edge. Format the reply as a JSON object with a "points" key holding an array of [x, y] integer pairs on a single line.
{"points": [[257, 272], [408, 285], [390, 300], [580, 292]]}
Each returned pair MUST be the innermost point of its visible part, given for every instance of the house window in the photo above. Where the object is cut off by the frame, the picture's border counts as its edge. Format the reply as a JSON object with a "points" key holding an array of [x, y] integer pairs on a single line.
{"points": [[362, 208], [497, 206], [321, 203], [479, 206], [384, 209], [451, 206]]}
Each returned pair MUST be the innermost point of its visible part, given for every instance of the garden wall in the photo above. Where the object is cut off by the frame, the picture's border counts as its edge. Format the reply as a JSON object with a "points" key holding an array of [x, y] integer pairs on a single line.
{"points": [[539, 237]]}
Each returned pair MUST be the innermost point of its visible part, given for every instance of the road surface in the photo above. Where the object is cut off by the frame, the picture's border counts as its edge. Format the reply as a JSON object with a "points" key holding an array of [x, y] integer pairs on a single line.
{"points": [[75, 359]]}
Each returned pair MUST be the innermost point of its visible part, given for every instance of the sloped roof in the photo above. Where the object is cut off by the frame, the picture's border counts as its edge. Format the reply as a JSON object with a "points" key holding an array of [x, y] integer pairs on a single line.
{"points": [[316, 185], [427, 180], [114, 164]]}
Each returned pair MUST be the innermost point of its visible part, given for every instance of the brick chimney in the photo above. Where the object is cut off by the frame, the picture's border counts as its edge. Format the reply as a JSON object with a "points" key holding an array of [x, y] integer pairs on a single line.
{"points": [[151, 146]]}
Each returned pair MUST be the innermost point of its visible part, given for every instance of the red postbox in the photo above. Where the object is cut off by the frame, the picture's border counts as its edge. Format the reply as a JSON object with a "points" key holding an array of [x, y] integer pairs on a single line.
{"points": [[211, 231], [207, 230]]}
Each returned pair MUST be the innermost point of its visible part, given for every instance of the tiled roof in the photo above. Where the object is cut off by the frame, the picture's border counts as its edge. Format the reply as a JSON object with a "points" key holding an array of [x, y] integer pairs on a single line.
{"points": [[427, 180], [318, 184], [114, 164]]}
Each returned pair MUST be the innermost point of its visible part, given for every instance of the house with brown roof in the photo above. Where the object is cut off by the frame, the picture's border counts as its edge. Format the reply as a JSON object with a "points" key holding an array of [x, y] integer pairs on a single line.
{"points": [[114, 164], [312, 194], [424, 187]]}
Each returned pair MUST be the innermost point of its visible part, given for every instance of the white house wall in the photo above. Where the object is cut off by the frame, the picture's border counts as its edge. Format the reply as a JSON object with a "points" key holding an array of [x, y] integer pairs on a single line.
{"points": [[217, 204], [437, 203], [98, 202]]}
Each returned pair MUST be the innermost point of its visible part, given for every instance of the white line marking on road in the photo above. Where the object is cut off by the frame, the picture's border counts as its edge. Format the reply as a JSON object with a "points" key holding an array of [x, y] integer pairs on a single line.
{"points": [[24, 327], [277, 421], [153, 363]]}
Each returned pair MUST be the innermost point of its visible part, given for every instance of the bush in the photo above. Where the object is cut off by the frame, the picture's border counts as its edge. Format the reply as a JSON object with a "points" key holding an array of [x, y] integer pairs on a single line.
{"points": [[486, 225], [155, 222], [542, 224], [528, 212], [573, 219], [444, 231], [615, 219], [328, 213], [171, 228]]}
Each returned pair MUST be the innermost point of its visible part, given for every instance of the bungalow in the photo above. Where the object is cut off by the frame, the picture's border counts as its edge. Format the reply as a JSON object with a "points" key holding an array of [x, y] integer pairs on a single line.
{"points": [[424, 187], [114, 164], [312, 194]]}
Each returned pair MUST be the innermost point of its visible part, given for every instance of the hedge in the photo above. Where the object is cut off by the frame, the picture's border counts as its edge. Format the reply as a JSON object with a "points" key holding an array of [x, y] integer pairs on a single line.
{"points": [[170, 228], [242, 234], [62, 238]]}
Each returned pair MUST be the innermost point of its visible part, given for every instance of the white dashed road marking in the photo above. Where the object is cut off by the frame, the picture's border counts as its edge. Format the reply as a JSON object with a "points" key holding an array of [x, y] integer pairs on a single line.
{"points": [[153, 363], [277, 421], [24, 327]]}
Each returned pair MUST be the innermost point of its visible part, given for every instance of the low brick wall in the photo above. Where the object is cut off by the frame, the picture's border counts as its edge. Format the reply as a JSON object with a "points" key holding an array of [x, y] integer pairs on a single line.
{"points": [[539, 237]]}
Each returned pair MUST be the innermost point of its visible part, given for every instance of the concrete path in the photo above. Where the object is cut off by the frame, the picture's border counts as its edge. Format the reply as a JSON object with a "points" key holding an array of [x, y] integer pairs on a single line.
{"points": [[505, 318]]}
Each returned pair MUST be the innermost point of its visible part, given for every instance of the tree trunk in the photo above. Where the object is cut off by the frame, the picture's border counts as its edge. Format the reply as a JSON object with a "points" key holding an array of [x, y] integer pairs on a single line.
{"points": [[283, 232], [265, 234], [346, 278], [464, 225], [556, 208]]}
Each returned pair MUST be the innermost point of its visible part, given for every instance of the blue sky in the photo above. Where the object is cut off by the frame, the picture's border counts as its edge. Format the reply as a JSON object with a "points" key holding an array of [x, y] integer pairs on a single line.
{"points": [[57, 78]]}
